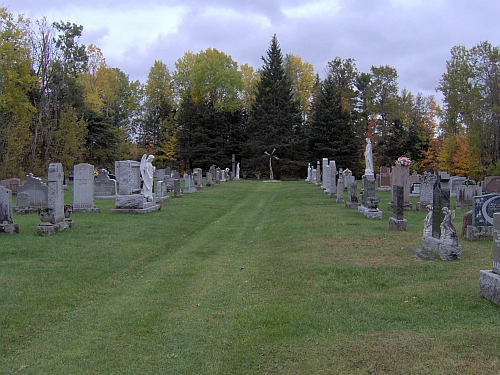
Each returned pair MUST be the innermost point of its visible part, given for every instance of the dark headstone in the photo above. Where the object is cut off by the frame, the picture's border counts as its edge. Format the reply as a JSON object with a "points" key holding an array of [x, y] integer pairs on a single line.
{"points": [[398, 207], [485, 206], [491, 184], [441, 198]]}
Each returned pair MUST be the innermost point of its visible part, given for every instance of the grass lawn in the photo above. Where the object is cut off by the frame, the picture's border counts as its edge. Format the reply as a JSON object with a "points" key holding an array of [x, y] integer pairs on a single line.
{"points": [[244, 277]]}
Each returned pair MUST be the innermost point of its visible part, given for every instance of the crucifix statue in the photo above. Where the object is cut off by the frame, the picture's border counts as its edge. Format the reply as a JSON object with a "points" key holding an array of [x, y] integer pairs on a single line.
{"points": [[271, 156]]}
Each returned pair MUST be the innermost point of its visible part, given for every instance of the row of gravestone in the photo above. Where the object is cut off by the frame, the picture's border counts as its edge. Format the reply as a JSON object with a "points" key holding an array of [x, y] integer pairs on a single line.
{"points": [[439, 235]]}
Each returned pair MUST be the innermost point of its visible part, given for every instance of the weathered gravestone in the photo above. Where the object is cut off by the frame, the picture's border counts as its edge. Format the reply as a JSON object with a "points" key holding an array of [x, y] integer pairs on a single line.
{"points": [[130, 199], [352, 196], [384, 183], [104, 186], [52, 216], [189, 187], [465, 195], [369, 204], [83, 188], [491, 184], [325, 176], [415, 189], [7, 225], [209, 178], [161, 191], [489, 280], [426, 193], [332, 169], [309, 169], [483, 209], [198, 178], [348, 178], [37, 194], [455, 182], [398, 222], [400, 175], [218, 175], [318, 173], [340, 187], [12, 184]]}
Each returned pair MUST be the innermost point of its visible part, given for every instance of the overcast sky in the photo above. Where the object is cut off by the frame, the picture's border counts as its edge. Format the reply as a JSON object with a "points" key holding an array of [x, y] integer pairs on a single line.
{"points": [[413, 36]]}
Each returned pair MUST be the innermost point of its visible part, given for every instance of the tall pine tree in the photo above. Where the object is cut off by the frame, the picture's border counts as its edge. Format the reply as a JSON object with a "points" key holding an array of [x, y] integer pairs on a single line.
{"points": [[332, 132], [274, 121]]}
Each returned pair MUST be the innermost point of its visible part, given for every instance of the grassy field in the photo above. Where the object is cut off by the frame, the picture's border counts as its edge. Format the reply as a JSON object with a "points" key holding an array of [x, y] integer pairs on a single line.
{"points": [[244, 277]]}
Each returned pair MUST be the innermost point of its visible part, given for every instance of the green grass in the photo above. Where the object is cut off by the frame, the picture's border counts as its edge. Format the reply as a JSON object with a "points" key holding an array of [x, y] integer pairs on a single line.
{"points": [[244, 277]]}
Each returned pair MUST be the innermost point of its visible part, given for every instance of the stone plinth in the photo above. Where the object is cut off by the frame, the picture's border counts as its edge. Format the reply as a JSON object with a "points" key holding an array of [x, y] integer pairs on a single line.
{"points": [[396, 224], [134, 204], [489, 285], [446, 250], [370, 213]]}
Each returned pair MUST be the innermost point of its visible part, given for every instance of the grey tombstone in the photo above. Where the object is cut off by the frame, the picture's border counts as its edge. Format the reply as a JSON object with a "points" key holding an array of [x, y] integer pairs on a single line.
{"points": [[218, 172], [198, 178], [333, 179], [233, 165], [177, 188], [400, 176], [369, 204], [384, 183], [352, 196], [83, 188], [23, 200], [340, 187], [324, 168], [491, 184], [348, 178], [189, 187], [445, 180], [489, 280], [209, 178], [7, 225], [128, 177], [160, 175], [104, 186], [455, 182], [130, 199], [398, 222], [465, 195], [426, 193], [36, 189], [12, 184], [161, 191], [53, 216], [318, 173], [415, 189], [308, 179]]}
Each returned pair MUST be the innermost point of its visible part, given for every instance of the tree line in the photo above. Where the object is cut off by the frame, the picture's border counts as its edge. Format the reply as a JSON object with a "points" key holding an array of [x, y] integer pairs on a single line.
{"points": [[61, 102]]}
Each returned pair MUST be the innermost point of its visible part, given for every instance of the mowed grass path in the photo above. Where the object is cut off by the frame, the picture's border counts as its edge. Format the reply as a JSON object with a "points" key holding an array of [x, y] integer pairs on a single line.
{"points": [[245, 277]]}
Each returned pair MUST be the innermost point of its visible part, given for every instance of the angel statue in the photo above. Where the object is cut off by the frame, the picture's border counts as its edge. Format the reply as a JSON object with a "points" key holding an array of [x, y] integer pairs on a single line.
{"points": [[147, 170]]}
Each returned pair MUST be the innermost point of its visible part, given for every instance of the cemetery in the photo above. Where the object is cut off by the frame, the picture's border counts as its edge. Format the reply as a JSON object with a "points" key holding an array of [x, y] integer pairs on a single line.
{"points": [[267, 268]]}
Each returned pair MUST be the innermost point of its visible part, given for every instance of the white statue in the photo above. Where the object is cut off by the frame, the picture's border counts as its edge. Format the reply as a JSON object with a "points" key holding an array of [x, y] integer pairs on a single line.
{"points": [[448, 231], [237, 177], [369, 171], [428, 222], [147, 170]]}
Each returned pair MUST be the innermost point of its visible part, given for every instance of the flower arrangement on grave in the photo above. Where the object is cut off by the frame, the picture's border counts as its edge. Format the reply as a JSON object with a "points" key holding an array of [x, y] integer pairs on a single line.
{"points": [[404, 161], [470, 181]]}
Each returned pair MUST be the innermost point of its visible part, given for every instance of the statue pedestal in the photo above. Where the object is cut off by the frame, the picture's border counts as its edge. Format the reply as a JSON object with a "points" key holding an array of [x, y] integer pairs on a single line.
{"points": [[446, 249]]}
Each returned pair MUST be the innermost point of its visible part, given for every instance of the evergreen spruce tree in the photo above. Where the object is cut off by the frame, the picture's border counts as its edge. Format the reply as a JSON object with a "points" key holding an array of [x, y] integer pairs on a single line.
{"points": [[332, 132], [274, 121]]}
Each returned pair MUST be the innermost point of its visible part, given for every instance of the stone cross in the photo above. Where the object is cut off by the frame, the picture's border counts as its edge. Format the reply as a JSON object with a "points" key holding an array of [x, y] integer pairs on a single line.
{"points": [[271, 156]]}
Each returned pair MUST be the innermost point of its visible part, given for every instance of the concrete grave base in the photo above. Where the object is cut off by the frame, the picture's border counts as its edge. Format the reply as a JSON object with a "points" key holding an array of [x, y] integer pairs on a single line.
{"points": [[25, 210], [445, 249], [370, 213], [10, 228], [384, 188], [406, 206], [145, 210], [479, 233], [422, 206], [352, 205], [162, 199], [489, 285], [87, 210], [396, 224], [47, 230]]}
